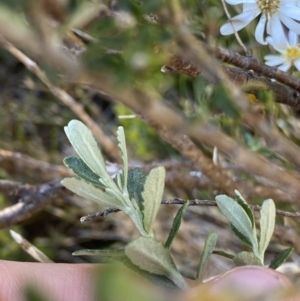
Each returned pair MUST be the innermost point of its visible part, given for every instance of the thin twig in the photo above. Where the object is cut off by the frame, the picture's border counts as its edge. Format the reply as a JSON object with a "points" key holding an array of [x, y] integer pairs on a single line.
{"points": [[178, 201], [235, 32]]}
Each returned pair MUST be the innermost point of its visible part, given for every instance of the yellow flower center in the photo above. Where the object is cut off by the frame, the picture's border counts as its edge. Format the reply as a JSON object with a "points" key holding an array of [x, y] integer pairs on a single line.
{"points": [[268, 7], [293, 53]]}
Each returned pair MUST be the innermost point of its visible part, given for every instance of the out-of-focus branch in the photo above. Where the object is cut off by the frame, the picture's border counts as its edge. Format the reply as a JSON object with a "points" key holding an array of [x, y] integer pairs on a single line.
{"points": [[109, 146], [251, 63], [249, 81], [31, 199], [219, 178], [14, 162]]}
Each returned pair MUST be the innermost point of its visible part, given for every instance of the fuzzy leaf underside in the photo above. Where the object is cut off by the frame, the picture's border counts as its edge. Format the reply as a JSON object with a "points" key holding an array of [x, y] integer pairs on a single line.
{"points": [[208, 249], [238, 218], [267, 224], [150, 255], [246, 258], [91, 193], [87, 148], [123, 149], [152, 196]]}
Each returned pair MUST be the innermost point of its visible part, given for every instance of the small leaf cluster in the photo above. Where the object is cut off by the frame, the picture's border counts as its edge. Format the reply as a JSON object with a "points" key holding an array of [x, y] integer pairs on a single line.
{"points": [[242, 222], [136, 194]]}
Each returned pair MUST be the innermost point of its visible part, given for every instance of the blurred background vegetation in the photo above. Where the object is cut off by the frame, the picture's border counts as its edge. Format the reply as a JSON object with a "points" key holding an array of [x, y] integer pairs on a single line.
{"points": [[127, 42]]}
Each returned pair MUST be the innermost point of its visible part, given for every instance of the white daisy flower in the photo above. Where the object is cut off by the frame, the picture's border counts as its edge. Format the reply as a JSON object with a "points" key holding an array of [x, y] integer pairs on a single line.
{"points": [[276, 16], [289, 50]]}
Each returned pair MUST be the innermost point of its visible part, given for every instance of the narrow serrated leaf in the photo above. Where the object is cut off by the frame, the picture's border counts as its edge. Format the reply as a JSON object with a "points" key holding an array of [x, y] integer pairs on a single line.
{"points": [[87, 148], [280, 258], [238, 218], [246, 258], [245, 206], [82, 170], [176, 224], [152, 196], [135, 185], [267, 224], [122, 147], [104, 253], [208, 249], [150, 255], [91, 193]]}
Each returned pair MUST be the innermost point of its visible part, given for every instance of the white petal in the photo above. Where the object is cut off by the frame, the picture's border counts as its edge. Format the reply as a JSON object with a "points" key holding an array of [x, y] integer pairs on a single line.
{"points": [[239, 22], [293, 38], [260, 30], [297, 64], [278, 33], [290, 23], [290, 11], [274, 60], [285, 67]]}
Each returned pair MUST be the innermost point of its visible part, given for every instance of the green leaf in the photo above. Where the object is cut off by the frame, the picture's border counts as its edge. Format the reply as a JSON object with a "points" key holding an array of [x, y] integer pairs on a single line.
{"points": [[239, 219], [208, 249], [267, 225], [246, 207], [152, 196], [135, 185], [92, 193], [122, 147], [280, 258], [82, 170], [87, 148], [150, 255], [246, 258], [240, 236], [104, 253], [176, 224]]}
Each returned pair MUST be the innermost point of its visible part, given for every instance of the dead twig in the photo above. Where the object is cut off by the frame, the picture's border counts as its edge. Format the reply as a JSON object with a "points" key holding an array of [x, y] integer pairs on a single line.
{"points": [[179, 201], [31, 200]]}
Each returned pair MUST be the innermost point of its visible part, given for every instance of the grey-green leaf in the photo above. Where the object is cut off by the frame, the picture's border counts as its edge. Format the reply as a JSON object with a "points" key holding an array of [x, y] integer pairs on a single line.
{"points": [[280, 258], [150, 255], [246, 258], [87, 148], [135, 185], [208, 249], [152, 196], [238, 218], [240, 236], [82, 170], [91, 193], [267, 224], [176, 224], [122, 146], [245, 206]]}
